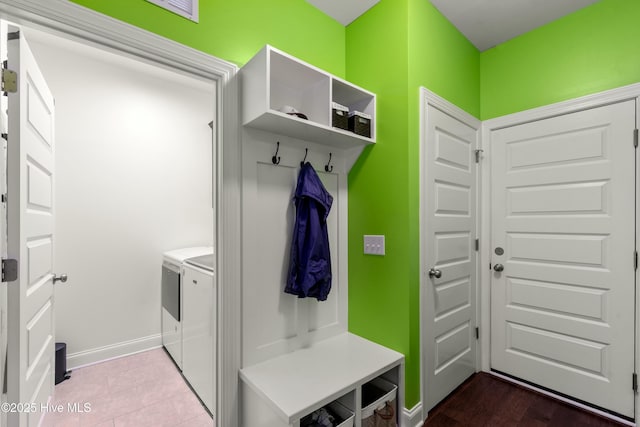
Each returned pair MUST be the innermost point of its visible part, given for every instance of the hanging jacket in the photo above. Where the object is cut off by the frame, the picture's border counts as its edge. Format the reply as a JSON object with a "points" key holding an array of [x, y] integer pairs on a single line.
{"points": [[310, 259]]}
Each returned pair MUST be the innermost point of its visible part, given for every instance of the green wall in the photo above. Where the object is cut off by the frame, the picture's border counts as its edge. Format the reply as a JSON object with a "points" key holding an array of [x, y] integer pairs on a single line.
{"points": [[234, 30], [591, 50], [392, 50]]}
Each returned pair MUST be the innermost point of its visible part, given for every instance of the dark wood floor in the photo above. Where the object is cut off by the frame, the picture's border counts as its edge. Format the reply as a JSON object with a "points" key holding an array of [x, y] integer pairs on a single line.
{"points": [[485, 400]]}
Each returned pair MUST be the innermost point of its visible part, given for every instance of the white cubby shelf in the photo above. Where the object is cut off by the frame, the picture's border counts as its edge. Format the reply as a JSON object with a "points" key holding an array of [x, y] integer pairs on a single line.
{"points": [[273, 79]]}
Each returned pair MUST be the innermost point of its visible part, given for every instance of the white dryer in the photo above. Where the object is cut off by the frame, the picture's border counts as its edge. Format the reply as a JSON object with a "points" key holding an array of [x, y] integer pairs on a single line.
{"points": [[199, 327], [172, 298]]}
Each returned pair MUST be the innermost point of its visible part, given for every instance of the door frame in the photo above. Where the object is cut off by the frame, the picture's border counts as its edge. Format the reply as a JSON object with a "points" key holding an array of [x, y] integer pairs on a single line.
{"points": [[629, 92], [429, 100], [70, 20]]}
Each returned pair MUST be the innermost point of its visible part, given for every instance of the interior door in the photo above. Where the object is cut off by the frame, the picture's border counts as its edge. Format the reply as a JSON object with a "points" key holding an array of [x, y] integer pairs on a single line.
{"points": [[449, 296], [30, 218], [563, 221], [4, 128]]}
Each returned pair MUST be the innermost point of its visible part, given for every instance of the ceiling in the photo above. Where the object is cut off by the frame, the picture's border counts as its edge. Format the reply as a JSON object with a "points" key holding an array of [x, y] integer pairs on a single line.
{"points": [[344, 11], [486, 23]]}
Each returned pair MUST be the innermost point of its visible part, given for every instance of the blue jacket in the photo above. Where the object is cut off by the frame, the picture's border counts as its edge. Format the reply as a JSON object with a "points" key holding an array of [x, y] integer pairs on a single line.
{"points": [[310, 263]]}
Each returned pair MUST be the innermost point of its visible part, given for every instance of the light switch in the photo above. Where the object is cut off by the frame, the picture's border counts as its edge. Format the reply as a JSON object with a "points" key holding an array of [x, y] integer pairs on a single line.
{"points": [[374, 245]]}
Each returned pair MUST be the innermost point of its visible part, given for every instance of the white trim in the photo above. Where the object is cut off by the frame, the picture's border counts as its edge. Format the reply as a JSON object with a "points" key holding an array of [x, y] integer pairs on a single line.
{"points": [[412, 417], [426, 99], [637, 276], [568, 401], [612, 96], [113, 351], [92, 27]]}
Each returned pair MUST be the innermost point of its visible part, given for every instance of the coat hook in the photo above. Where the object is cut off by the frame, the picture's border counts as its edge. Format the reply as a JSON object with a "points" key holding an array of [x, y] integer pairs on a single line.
{"points": [[326, 167], [276, 159], [306, 151]]}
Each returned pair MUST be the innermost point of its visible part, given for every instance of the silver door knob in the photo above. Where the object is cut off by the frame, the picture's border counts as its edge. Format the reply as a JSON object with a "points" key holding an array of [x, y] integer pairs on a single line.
{"points": [[435, 273], [61, 278], [498, 267]]}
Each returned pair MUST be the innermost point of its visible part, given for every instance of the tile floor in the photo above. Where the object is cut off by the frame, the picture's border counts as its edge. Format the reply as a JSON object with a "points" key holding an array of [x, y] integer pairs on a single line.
{"points": [[143, 389]]}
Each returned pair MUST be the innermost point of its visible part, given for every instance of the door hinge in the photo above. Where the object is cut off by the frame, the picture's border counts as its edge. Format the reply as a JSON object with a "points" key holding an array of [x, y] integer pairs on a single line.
{"points": [[477, 333], [635, 260], [9, 81], [3, 198], [13, 36], [9, 270], [634, 381], [635, 138], [478, 152], [477, 245]]}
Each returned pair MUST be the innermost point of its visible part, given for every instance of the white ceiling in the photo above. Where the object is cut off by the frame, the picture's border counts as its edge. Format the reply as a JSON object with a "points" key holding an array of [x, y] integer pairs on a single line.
{"points": [[344, 11], [485, 23]]}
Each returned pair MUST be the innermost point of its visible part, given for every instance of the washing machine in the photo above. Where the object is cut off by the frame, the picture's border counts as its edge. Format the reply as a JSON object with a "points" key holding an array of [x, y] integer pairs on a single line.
{"points": [[172, 297]]}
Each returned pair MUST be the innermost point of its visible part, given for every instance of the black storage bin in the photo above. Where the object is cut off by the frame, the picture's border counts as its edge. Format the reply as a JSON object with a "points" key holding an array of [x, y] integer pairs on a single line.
{"points": [[339, 116], [61, 362], [360, 123]]}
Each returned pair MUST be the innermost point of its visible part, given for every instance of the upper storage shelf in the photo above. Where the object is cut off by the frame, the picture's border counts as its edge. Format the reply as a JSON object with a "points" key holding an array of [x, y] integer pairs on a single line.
{"points": [[274, 82]]}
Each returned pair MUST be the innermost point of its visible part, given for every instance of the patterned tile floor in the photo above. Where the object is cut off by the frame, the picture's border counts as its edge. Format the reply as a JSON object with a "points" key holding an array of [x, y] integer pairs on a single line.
{"points": [[144, 389]]}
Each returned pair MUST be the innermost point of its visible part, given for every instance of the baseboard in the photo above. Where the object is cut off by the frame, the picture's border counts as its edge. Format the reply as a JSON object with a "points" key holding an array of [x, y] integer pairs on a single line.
{"points": [[412, 417], [113, 351]]}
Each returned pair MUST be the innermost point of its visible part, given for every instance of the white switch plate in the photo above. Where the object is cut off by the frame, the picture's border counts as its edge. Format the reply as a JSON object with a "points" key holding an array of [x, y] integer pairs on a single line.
{"points": [[374, 245]]}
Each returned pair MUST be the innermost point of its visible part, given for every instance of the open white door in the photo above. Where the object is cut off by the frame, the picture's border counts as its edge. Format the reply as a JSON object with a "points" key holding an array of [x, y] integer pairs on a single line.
{"points": [[563, 285], [30, 218], [4, 129], [449, 236]]}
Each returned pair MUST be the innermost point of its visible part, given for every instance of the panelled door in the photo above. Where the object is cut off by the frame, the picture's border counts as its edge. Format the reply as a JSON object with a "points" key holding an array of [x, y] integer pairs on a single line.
{"points": [[563, 224], [449, 293], [3, 228], [30, 176]]}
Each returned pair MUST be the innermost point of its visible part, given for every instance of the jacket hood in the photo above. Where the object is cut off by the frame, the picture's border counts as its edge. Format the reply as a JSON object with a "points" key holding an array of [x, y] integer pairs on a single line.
{"points": [[309, 185]]}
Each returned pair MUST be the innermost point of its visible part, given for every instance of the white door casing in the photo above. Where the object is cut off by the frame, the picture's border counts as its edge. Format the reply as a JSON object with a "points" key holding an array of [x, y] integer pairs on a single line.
{"points": [[30, 218], [449, 141], [562, 311], [70, 18]]}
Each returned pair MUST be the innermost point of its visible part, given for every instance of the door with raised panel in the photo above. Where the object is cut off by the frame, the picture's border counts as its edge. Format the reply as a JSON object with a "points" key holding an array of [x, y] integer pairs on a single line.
{"points": [[449, 294], [30, 177], [563, 279]]}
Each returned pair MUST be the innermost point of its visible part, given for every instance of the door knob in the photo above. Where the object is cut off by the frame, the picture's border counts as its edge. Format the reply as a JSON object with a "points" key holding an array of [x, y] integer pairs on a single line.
{"points": [[62, 278], [435, 273], [498, 267]]}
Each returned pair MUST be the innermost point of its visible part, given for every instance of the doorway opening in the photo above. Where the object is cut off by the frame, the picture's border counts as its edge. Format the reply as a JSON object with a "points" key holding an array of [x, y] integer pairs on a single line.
{"points": [[134, 178]]}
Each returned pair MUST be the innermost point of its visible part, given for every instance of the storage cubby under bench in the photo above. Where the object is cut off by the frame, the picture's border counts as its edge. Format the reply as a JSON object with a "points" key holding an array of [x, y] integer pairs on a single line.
{"points": [[281, 391]]}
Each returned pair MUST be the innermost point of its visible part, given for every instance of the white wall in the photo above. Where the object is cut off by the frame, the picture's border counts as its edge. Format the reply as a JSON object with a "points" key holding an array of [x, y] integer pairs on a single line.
{"points": [[133, 179]]}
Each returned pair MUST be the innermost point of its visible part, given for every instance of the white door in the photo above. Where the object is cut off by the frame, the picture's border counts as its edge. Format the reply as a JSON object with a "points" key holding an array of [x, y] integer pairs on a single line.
{"points": [[4, 128], [449, 294], [562, 308], [30, 218]]}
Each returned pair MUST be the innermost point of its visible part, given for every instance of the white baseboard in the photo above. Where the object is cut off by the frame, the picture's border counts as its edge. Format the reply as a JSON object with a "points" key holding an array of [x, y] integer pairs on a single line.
{"points": [[412, 417], [112, 351]]}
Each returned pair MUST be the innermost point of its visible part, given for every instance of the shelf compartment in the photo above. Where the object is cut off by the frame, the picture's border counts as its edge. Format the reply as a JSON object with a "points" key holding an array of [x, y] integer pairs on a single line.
{"points": [[344, 417], [376, 394], [294, 84]]}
